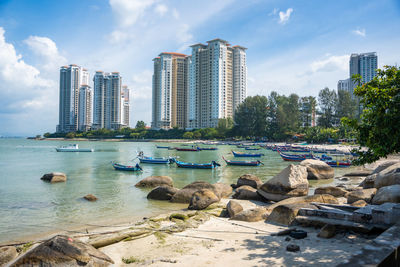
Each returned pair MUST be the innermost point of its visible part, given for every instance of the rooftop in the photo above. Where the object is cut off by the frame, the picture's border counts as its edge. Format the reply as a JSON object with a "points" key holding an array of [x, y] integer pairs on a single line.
{"points": [[239, 46], [217, 40], [174, 54]]}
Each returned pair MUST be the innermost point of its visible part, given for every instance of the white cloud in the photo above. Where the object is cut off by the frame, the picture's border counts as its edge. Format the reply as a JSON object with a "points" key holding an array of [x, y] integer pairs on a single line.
{"points": [[130, 11], [273, 12], [118, 36], [161, 9], [284, 16], [332, 63], [360, 32]]}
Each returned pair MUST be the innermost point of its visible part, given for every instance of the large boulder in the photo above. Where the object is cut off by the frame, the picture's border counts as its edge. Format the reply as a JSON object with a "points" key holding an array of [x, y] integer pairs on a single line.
{"points": [[250, 180], [251, 215], [327, 199], [222, 190], [202, 199], [7, 254], [384, 165], [363, 194], [286, 213], [369, 181], [290, 182], [317, 169], [90, 197], [385, 194], [331, 190], [359, 203], [63, 251], [246, 192], [358, 173], [389, 176], [233, 208], [163, 192], [185, 194], [154, 181], [54, 177]]}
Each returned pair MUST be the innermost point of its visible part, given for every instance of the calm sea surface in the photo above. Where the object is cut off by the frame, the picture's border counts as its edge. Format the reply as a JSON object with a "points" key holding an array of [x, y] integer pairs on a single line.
{"points": [[29, 206]]}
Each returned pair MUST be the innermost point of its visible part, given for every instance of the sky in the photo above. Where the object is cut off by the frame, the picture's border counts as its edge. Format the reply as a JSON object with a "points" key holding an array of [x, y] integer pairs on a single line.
{"points": [[293, 46]]}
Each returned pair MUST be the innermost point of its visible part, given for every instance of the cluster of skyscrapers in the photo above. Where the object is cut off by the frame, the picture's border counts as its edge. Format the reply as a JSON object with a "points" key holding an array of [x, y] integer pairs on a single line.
{"points": [[364, 64], [195, 91], [83, 109]]}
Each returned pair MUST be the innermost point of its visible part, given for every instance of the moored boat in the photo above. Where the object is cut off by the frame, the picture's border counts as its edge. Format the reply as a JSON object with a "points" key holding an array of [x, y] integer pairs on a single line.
{"points": [[294, 157], [121, 167], [338, 163], [151, 160], [207, 148], [252, 148], [210, 165], [73, 148], [164, 147], [250, 155], [242, 163], [187, 149]]}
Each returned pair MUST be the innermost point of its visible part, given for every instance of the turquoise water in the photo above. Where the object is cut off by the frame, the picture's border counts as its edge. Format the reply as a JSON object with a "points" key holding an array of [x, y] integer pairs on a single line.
{"points": [[29, 206]]}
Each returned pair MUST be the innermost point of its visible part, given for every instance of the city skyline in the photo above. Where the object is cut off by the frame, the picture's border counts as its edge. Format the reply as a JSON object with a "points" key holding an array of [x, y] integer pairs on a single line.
{"points": [[294, 47]]}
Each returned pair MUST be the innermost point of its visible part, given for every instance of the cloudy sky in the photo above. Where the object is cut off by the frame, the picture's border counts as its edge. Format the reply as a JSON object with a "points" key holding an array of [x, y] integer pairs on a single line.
{"points": [[293, 46]]}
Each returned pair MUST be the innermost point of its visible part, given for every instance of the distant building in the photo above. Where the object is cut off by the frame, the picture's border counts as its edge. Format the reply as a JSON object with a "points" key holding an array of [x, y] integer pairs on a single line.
{"points": [[170, 91], [107, 101], [85, 108], [125, 105], [72, 77], [344, 85], [364, 64]]}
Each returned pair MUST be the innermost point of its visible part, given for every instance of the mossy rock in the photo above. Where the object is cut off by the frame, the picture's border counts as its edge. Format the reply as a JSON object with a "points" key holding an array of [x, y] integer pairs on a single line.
{"points": [[178, 216]]}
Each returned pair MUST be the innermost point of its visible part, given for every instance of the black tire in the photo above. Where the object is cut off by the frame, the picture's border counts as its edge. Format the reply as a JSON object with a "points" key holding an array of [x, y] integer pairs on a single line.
{"points": [[298, 234]]}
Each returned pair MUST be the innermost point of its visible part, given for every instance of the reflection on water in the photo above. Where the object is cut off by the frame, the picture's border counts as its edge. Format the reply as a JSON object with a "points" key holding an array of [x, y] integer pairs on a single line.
{"points": [[30, 206]]}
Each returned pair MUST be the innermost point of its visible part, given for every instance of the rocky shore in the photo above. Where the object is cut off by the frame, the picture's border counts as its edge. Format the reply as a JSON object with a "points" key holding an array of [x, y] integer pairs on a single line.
{"points": [[250, 223]]}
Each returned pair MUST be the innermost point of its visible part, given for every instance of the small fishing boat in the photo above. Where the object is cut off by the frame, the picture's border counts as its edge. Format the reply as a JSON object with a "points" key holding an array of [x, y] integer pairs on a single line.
{"points": [[73, 148], [151, 160], [251, 148], [250, 155], [187, 149], [243, 163], [121, 167], [163, 147], [294, 157], [210, 165], [338, 163], [207, 148]]}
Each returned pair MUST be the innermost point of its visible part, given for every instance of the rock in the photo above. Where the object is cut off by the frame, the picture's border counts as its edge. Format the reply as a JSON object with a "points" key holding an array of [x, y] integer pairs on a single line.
{"points": [[360, 173], [384, 165], [54, 177], [385, 194], [317, 169], [359, 203], [233, 208], [328, 231], [185, 194], [363, 194], [202, 199], [223, 190], [369, 181], [331, 190], [90, 197], [246, 192], [288, 238], [251, 215], [341, 200], [250, 180], [7, 254], [328, 199], [344, 179], [154, 181], [285, 214], [292, 248], [388, 176], [163, 192], [290, 182], [63, 251]]}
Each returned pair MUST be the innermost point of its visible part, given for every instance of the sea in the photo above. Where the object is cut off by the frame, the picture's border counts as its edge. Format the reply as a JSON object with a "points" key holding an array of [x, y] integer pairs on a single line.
{"points": [[30, 208]]}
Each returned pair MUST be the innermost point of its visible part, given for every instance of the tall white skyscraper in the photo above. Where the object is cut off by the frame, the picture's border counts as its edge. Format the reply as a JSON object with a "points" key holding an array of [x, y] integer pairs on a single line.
{"points": [[364, 64], [85, 108], [107, 100], [72, 77]]}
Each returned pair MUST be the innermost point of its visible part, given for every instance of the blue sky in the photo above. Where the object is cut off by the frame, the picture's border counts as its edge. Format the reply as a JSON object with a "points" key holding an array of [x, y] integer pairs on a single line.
{"points": [[293, 46]]}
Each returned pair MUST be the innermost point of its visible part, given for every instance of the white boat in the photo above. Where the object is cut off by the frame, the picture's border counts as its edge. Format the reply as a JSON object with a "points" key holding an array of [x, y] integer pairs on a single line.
{"points": [[73, 148]]}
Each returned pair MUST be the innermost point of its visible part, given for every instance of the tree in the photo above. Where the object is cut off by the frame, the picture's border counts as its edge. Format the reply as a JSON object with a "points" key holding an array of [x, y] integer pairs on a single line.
{"points": [[327, 100], [346, 106], [140, 125], [251, 116], [378, 128], [188, 135], [70, 135], [47, 135], [224, 126]]}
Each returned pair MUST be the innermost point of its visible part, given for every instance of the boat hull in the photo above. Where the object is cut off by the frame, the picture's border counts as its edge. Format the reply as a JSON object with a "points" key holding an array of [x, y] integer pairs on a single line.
{"points": [[120, 167], [154, 161], [74, 150], [181, 164], [243, 155]]}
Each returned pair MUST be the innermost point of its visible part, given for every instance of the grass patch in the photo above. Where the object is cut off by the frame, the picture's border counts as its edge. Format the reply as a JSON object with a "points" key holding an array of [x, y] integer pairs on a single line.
{"points": [[179, 216], [160, 236], [26, 246], [131, 260]]}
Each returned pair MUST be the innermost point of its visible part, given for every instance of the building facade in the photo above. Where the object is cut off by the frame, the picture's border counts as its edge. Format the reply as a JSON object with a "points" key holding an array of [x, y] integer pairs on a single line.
{"points": [[170, 91], [85, 108], [364, 64], [72, 77], [344, 85], [125, 106]]}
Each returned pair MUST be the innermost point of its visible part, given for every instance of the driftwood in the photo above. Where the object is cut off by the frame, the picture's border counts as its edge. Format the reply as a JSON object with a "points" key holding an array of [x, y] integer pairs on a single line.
{"points": [[103, 241]]}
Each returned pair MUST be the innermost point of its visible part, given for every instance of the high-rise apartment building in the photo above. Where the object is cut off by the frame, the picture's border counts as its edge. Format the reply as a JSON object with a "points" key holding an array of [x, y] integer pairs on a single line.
{"points": [[72, 77], [364, 64], [107, 100], [217, 82], [85, 108], [170, 91], [125, 105], [344, 85]]}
